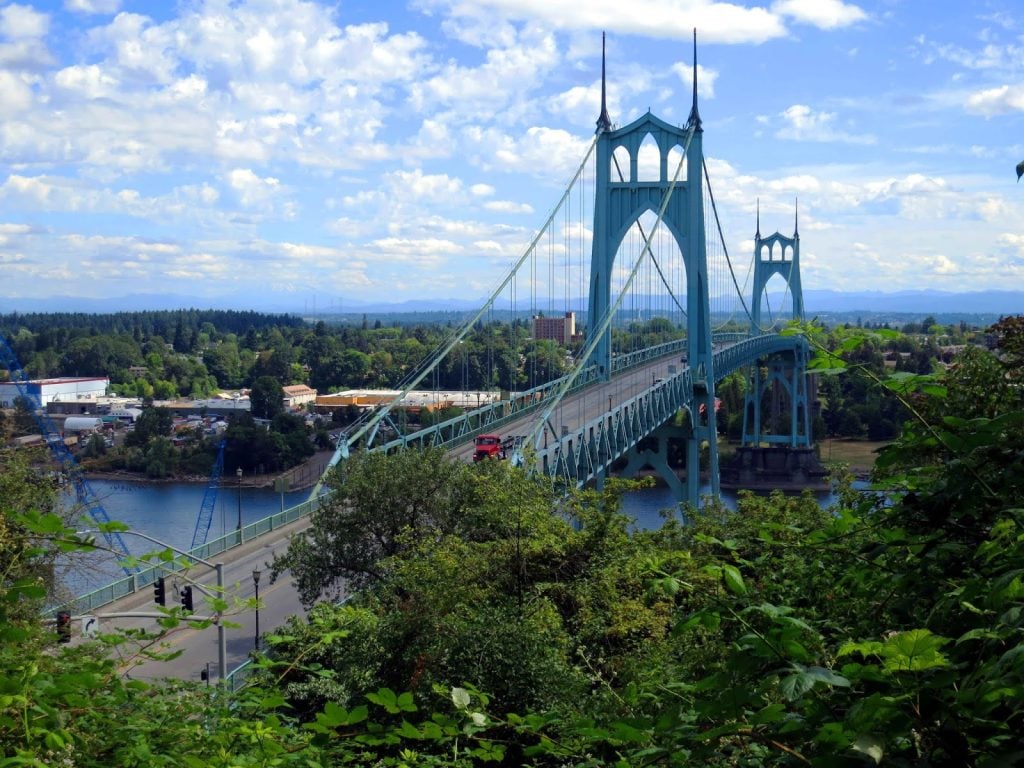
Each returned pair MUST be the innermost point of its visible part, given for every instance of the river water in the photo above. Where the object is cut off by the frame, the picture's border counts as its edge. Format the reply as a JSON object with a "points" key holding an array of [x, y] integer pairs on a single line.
{"points": [[169, 511]]}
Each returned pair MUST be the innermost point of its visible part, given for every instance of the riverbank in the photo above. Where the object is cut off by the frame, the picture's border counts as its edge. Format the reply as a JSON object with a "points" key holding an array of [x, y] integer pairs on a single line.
{"points": [[301, 477], [858, 455]]}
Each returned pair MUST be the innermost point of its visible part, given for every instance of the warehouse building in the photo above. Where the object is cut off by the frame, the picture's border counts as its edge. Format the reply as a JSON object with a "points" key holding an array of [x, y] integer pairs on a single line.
{"points": [[48, 390]]}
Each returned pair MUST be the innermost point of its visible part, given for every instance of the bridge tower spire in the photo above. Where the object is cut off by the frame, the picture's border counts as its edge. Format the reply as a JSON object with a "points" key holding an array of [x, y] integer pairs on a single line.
{"points": [[786, 375], [604, 123], [620, 200]]}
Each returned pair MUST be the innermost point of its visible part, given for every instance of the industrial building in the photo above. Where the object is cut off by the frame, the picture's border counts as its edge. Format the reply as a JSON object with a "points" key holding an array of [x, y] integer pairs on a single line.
{"points": [[49, 390], [414, 402]]}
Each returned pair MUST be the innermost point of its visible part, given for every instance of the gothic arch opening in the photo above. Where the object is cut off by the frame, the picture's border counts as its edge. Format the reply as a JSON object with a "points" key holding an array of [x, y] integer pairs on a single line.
{"points": [[675, 156], [648, 160], [621, 166]]}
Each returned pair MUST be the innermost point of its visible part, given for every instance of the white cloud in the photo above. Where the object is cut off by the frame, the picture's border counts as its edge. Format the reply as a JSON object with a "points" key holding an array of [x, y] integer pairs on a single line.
{"points": [[705, 79], [718, 22], [507, 206], [18, 22], [804, 124], [93, 6], [253, 191], [1001, 100], [15, 94], [87, 81], [824, 14]]}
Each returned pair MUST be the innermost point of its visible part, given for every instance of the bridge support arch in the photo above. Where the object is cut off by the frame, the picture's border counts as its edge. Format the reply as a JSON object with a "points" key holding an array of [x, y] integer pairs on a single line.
{"points": [[782, 378], [619, 202]]}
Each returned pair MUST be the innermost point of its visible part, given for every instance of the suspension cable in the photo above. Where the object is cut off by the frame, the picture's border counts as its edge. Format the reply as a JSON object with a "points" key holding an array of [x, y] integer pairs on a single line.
{"points": [[462, 332], [534, 437], [725, 248]]}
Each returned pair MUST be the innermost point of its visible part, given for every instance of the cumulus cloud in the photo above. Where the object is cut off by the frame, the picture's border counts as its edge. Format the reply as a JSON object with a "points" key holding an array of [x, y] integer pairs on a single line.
{"points": [[253, 191], [824, 14], [18, 22], [801, 123], [1000, 100]]}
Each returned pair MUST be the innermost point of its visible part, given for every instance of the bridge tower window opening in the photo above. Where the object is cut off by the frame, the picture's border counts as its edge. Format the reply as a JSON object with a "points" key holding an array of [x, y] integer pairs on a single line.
{"points": [[673, 159], [649, 165], [622, 166]]}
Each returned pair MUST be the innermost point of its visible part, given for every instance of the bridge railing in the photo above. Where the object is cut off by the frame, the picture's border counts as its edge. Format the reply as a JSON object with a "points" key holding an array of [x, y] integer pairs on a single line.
{"points": [[467, 425], [582, 454], [590, 446], [148, 574]]}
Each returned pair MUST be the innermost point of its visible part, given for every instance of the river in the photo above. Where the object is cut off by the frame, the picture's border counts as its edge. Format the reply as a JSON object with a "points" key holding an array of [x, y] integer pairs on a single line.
{"points": [[168, 512]]}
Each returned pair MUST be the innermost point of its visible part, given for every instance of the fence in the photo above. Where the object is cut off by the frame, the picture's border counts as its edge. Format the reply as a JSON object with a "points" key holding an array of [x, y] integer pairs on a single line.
{"points": [[147, 575]]}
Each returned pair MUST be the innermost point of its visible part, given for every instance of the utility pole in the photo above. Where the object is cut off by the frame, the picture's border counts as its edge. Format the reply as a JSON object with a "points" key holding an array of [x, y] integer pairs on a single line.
{"points": [[222, 647]]}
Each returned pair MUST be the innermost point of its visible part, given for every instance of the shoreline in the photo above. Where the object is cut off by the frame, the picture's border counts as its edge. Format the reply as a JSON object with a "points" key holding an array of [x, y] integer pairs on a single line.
{"points": [[121, 476]]}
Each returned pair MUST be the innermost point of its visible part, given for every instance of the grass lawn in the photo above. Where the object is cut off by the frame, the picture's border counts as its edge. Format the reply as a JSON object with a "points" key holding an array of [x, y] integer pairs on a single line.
{"points": [[859, 454]]}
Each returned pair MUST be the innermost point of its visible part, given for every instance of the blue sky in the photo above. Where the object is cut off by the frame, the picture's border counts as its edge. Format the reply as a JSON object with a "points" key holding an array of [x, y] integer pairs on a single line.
{"points": [[369, 151]]}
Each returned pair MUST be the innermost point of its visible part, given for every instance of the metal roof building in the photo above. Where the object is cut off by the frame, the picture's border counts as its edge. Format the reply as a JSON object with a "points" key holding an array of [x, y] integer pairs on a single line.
{"points": [[48, 390]]}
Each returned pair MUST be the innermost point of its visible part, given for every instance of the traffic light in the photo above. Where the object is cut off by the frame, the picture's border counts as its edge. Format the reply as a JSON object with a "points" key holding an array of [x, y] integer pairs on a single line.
{"points": [[160, 591], [63, 627], [186, 598]]}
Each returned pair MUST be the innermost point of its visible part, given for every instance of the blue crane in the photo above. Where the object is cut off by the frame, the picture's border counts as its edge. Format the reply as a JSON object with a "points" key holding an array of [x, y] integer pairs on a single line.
{"points": [[60, 452], [209, 499]]}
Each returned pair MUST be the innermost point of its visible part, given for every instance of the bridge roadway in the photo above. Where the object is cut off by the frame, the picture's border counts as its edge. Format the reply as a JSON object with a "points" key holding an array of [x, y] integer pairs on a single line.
{"points": [[280, 600], [578, 408]]}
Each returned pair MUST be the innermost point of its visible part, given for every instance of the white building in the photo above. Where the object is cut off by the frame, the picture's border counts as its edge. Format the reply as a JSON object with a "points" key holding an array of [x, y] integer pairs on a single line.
{"points": [[55, 389], [296, 395]]}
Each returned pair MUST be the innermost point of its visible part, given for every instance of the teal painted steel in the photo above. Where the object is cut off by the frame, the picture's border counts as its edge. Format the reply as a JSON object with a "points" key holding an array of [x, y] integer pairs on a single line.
{"points": [[679, 203], [586, 453], [777, 255]]}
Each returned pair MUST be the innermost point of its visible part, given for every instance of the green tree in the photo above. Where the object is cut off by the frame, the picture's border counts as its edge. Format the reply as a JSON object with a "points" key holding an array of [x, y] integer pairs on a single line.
{"points": [[266, 397], [151, 423]]}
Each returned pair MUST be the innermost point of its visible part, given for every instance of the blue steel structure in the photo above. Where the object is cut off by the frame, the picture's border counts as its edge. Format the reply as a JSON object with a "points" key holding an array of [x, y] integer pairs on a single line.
{"points": [[782, 374], [61, 453], [679, 204], [584, 454], [205, 518], [579, 455]]}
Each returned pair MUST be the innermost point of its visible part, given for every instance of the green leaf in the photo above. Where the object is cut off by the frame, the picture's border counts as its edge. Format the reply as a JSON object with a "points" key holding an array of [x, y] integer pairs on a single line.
{"points": [[408, 731], [915, 650], [733, 580], [460, 698], [796, 685], [385, 697]]}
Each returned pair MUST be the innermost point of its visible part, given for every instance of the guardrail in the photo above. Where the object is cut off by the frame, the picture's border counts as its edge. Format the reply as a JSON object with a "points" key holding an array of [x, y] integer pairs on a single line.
{"points": [[145, 577]]}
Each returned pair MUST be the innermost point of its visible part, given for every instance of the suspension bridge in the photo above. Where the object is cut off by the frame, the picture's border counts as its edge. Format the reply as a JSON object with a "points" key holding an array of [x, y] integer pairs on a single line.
{"points": [[637, 232], [667, 315]]}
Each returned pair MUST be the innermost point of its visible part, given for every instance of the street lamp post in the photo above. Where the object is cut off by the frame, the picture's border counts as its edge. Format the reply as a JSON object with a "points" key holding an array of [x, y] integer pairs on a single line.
{"points": [[256, 583], [238, 474]]}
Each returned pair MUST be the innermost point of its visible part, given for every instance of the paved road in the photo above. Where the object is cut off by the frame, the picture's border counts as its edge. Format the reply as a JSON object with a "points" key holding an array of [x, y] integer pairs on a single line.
{"points": [[199, 646], [280, 600]]}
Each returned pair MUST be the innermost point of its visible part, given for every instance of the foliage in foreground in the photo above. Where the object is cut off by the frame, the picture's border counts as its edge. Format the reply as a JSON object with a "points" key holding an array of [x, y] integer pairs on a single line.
{"points": [[887, 632]]}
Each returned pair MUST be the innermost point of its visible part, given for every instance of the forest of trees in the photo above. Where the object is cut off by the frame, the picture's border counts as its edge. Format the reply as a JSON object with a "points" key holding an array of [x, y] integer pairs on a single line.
{"points": [[500, 621]]}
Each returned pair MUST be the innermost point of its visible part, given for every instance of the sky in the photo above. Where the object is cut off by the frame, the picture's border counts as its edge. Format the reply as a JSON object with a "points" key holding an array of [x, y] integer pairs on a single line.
{"points": [[352, 151]]}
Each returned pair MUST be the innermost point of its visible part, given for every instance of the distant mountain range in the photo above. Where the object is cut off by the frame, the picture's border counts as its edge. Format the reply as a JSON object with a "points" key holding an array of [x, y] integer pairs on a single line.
{"points": [[985, 303]]}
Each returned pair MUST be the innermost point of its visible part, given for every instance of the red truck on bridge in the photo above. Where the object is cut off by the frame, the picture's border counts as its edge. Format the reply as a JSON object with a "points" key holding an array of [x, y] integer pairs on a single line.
{"points": [[494, 446]]}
